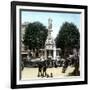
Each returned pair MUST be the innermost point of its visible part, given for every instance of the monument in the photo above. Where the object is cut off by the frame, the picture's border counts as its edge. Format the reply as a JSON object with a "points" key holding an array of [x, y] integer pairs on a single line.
{"points": [[50, 50]]}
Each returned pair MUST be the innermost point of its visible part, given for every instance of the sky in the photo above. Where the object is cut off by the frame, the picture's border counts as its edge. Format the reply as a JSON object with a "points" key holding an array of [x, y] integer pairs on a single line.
{"points": [[57, 19]]}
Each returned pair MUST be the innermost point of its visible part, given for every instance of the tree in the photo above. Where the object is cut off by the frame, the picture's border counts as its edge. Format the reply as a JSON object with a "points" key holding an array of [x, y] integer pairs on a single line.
{"points": [[35, 36], [68, 37]]}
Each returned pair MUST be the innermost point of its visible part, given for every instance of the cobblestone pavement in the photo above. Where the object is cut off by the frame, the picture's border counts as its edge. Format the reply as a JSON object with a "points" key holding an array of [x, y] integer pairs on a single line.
{"points": [[31, 73]]}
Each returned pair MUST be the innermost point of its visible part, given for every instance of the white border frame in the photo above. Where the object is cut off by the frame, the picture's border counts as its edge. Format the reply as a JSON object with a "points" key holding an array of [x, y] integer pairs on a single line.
{"points": [[65, 79]]}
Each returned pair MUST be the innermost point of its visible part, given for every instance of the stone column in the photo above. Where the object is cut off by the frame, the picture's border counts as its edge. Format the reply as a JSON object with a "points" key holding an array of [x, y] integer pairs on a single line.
{"points": [[50, 58], [54, 53]]}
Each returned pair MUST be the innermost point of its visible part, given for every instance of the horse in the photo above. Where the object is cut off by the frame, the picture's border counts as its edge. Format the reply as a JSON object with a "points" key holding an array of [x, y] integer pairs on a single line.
{"points": [[42, 68]]}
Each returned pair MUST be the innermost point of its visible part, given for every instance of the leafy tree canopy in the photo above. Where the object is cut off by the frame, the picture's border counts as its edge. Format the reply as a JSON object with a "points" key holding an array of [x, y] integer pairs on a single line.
{"points": [[35, 35], [68, 36]]}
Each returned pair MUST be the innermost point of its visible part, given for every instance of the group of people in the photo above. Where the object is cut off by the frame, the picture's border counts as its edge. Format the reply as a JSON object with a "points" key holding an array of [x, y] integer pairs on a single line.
{"points": [[72, 60]]}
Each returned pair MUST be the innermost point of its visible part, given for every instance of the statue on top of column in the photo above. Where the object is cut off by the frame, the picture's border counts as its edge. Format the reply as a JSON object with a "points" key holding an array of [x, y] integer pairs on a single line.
{"points": [[49, 23]]}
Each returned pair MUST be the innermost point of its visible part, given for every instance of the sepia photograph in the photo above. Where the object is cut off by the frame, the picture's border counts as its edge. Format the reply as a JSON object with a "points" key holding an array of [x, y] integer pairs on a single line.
{"points": [[49, 44]]}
